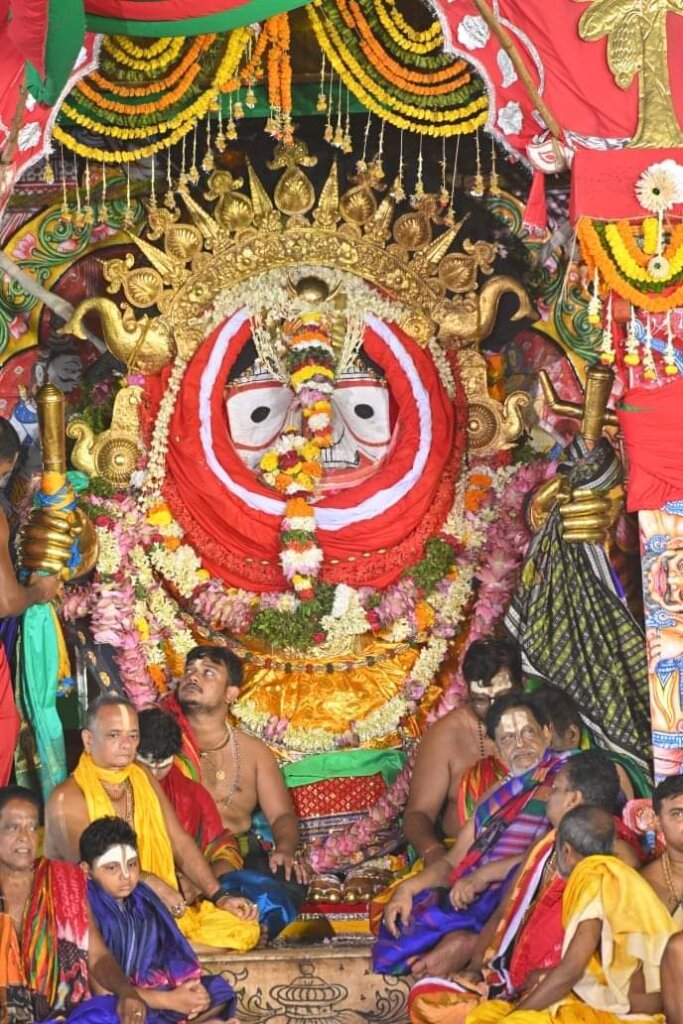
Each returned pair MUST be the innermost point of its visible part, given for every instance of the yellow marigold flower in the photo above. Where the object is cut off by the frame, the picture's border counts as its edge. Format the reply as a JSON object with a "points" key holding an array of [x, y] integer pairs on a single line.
{"points": [[203, 574], [160, 516], [269, 462], [142, 627], [310, 452]]}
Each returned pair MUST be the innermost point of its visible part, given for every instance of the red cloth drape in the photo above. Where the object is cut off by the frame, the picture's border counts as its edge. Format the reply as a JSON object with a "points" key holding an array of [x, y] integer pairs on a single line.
{"points": [[539, 944], [651, 422], [9, 720], [240, 544], [27, 29], [194, 806]]}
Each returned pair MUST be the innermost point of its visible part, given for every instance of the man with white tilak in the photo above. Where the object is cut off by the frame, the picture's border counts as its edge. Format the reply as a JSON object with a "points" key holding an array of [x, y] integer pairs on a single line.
{"points": [[492, 668], [427, 928], [108, 782]]}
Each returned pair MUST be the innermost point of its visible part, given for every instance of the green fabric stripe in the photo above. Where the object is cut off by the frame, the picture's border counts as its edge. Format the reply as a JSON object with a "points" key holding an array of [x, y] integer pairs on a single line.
{"points": [[257, 10], [64, 41], [344, 764]]}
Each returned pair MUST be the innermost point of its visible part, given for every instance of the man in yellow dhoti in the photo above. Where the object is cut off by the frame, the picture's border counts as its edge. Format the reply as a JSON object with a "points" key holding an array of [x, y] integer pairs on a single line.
{"points": [[672, 972], [107, 782], [616, 931]]}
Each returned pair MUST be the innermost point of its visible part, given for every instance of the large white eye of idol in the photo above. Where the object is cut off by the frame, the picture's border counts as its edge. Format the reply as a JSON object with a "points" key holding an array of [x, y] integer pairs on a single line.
{"points": [[363, 409], [257, 413]]}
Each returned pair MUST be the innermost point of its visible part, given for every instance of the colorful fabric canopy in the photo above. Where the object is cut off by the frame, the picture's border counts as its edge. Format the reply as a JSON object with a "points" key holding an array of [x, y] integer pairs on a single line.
{"points": [[179, 17]]}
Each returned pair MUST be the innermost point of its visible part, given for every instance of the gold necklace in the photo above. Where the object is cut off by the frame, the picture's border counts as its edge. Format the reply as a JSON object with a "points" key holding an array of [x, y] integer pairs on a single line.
{"points": [[480, 730], [669, 880], [115, 791], [223, 743], [127, 794], [219, 773]]}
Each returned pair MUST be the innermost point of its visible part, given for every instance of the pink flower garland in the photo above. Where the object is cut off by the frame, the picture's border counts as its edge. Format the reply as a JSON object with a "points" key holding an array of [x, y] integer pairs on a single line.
{"points": [[506, 544]]}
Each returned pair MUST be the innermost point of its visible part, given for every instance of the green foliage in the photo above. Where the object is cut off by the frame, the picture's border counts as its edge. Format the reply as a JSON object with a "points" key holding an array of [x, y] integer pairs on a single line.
{"points": [[294, 629], [438, 559]]}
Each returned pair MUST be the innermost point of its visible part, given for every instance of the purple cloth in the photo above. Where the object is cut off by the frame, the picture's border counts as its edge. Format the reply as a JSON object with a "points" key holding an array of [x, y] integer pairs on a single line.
{"points": [[432, 917], [151, 950]]}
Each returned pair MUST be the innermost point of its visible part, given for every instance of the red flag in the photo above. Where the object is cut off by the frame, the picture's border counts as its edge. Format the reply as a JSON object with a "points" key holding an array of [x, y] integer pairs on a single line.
{"points": [[27, 24]]}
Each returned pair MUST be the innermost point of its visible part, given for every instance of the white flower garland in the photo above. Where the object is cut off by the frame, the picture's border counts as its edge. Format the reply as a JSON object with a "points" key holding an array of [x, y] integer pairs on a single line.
{"points": [[156, 465]]}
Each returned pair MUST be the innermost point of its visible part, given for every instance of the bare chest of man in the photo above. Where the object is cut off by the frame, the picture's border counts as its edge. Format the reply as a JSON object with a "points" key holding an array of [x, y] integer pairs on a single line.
{"points": [[230, 777]]}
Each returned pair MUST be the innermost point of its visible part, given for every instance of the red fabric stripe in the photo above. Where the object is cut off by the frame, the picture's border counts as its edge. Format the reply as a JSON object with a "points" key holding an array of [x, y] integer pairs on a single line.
{"points": [[651, 426], [159, 10]]}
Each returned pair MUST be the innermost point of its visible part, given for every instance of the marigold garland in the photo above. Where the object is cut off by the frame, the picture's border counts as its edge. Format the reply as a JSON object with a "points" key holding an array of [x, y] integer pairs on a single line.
{"points": [[432, 113], [395, 71], [605, 251], [404, 35], [159, 104], [168, 123], [153, 49], [147, 63], [159, 85]]}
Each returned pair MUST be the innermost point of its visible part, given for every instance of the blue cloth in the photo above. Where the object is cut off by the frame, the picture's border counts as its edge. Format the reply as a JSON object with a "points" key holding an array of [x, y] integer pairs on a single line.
{"points": [[432, 917], [275, 905], [150, 949]]}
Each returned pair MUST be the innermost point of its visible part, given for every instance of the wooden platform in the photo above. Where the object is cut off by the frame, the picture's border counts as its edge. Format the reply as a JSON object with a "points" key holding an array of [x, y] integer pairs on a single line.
{"points": [[330, 981]]}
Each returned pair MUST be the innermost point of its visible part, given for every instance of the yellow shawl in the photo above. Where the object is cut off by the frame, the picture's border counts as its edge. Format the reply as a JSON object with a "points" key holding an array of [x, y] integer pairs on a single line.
{"points": [[202, 923], [154, 845], [635, 929]]}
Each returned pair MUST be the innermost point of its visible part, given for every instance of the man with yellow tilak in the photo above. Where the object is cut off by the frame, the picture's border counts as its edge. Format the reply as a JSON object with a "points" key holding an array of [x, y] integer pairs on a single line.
{"points": [[616, 931], [108, 782]]}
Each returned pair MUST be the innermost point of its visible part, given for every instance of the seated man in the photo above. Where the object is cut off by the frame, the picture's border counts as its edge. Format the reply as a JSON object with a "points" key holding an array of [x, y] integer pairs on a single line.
{"points": [[108, 782], [456, 742], [615, 933], [241, 775], [525, 935], [492, 843], [50, 947], [568, 731], [665, 874], [161, 742], [142, 936]]}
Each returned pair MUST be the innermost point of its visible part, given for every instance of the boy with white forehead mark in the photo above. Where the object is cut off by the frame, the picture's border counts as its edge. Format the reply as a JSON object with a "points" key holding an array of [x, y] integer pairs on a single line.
{"points": [[141, 934]]}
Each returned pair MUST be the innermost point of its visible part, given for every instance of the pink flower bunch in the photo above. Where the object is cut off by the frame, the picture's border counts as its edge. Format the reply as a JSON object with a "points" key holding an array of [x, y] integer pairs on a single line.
{"points": [[112, 622], [397, 602], [344, 849], [501, 560], [231, 611], [275, 729], [76, 603]]}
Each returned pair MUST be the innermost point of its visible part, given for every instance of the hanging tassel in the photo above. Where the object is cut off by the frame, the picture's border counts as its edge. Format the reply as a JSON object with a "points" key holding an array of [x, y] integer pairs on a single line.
{"points": [[595, 302], [670, 368], [632, 358], [607, 353], [649, 368]]}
